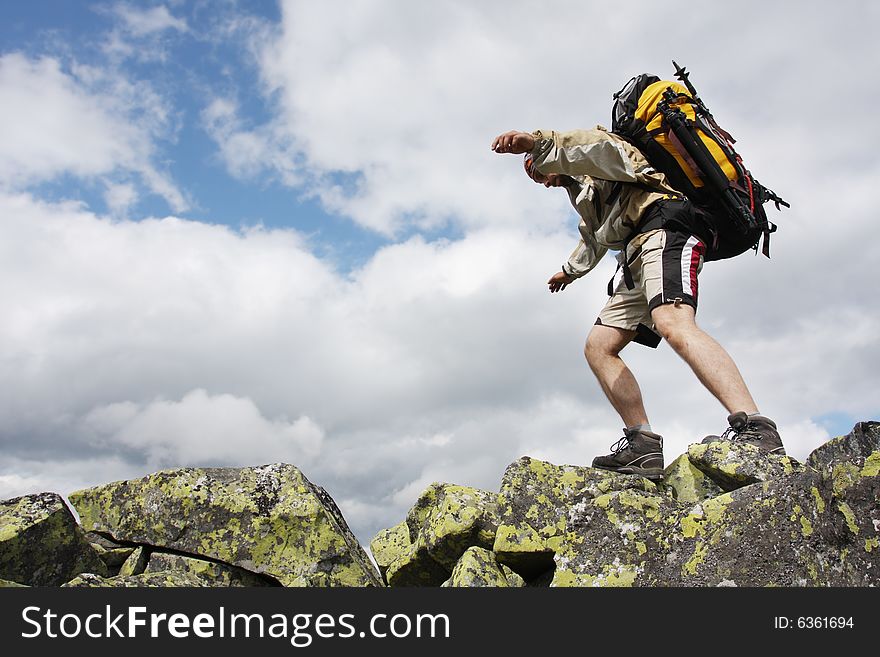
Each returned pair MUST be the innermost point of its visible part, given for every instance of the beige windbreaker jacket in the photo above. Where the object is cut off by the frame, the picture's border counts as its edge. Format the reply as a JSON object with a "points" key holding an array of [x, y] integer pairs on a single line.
{"points": [[597, 160]]}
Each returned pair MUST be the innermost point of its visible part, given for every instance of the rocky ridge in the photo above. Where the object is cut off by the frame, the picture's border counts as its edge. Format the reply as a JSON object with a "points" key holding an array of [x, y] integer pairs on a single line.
{"points": [[726, 514]]}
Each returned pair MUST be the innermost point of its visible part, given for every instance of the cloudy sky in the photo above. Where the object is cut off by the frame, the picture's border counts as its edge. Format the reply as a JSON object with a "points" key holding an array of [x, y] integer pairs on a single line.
{"points": [[236, 233]]}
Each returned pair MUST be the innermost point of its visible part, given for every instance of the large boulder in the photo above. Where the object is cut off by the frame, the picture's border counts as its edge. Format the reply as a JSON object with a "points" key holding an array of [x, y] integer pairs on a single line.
{"points": [[41, 543], [789, 531], [389, 545], [267, 519], [854, 447], [443, 523], [451, 518], [537, 500]]}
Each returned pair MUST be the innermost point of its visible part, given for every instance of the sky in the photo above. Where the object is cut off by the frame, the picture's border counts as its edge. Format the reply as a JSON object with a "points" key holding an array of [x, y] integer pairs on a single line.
{"points": [[235, 233]]}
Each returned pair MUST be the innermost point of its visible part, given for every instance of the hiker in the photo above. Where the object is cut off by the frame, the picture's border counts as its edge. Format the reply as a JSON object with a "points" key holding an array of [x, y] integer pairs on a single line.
{"points": [[627, 206]]}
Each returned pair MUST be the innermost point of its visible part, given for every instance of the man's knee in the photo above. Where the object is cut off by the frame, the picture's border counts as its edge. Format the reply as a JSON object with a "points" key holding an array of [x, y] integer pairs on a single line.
{"points": [[674, 322], [605, 341]]}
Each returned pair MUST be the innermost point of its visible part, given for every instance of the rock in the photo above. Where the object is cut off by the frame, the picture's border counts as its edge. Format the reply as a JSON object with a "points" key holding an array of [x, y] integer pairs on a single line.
{"points": [[416, 567], [773, 533], [854, 509], [111, 553], [732, 465], [855, 447], [688, 483], [613, 539], [443, 523], [136, 562], [450, 519], [389, 545], [536, 500], [267, 519], [168, 579], [41, 544], [8, 584], [477, 567], [216, 574]]}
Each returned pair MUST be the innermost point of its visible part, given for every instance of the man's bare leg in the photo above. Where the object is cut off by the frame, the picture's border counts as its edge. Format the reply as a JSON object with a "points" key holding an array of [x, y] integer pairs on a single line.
{"points": [[602, 351], [710, 362]]}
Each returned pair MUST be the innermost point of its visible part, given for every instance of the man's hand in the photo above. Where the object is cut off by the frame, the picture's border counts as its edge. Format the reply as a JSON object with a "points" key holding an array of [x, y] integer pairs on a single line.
{"points": [[513, 142], [559, 281]]}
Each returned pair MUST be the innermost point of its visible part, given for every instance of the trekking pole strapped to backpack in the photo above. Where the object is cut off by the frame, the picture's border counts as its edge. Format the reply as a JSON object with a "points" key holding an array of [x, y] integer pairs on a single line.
{"points": [[678, 135]]}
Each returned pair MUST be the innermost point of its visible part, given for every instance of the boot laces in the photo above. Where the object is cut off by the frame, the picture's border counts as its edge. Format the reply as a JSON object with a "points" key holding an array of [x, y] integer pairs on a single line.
{"points": [[748, 430], [623, 443]]}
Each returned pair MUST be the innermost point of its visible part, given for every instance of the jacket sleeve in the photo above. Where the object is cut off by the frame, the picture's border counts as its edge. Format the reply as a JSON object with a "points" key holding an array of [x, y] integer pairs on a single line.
{"points": [[595, 153], [588, 252]]}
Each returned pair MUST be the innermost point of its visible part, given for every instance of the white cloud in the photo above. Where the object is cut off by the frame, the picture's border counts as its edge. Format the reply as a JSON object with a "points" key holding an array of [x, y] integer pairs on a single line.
{"points": [[85, 122], [393, 114], [140, 33], [204, 429], [141, 22]]}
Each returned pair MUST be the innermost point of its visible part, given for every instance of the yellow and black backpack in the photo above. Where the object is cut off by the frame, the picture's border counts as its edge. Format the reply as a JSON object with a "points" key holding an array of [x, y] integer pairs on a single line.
{"points": [[668, 122]]}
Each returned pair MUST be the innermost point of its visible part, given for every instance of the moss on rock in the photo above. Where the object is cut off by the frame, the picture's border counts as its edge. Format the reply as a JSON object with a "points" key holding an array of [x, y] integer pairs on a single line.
{"points": [[688, 483], [389, 545], [267, 519], [537, 499], [449, 519], [478, 567], [733, 465], [41, 543]]}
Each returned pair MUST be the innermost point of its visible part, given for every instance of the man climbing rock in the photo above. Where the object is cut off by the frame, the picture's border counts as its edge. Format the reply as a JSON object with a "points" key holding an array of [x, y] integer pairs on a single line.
{"points": [[627, 206]]}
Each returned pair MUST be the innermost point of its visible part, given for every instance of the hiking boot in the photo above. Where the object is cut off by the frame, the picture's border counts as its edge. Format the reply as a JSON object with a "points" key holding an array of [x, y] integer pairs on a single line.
{"points": [[755, 430], [638, 452]]}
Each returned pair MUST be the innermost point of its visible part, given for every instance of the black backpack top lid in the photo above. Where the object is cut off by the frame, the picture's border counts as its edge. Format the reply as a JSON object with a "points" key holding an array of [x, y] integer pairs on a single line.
{"points": [[627, 100]]}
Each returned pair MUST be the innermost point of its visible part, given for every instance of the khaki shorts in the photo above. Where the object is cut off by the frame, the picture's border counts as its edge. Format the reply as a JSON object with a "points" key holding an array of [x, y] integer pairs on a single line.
{"points": [[664, 266]]}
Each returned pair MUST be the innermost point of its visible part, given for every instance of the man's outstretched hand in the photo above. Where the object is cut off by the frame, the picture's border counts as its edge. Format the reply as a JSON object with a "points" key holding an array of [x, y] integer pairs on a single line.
{"points": [[559, 281], [514, 142]]}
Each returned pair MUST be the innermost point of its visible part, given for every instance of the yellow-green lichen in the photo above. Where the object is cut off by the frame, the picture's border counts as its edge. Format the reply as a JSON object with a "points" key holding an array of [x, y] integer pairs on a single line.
{"points": [[820, 503], [872, 465], [806, 526], [850, 517], [700, 552]]}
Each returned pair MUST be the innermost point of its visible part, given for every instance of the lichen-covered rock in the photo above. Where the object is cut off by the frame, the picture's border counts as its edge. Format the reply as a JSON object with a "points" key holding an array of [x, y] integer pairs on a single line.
{"points": [[477, 567], [688, 483], [416, 567], [111, 553], [217, 574], [735, 464], [267, 519], [167, 579], [8, 584], [615, 539], [444, 522], [136, 562], [41, 544], [449, 519], [537, 499], [854, 488], [854, 447], [774, 533], [389, 545]]}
